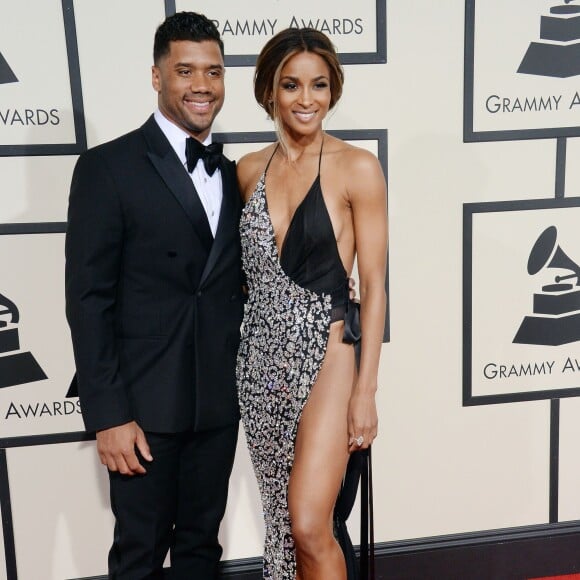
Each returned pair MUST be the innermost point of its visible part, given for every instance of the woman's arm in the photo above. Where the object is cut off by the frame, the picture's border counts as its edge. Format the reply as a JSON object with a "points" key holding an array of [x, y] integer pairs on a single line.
{"points": [[367, 193]]}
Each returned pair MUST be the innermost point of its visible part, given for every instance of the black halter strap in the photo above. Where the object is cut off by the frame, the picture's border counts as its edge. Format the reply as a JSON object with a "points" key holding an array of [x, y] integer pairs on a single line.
{"points": [[271, 157]]}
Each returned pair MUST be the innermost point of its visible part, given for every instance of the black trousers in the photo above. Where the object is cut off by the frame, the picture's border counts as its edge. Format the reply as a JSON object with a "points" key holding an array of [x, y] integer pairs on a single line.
{"points": [[177, 506]]}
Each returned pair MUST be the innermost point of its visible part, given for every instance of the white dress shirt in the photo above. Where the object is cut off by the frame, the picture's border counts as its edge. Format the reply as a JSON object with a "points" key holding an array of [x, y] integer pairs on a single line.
{"points": [[208, 187]]}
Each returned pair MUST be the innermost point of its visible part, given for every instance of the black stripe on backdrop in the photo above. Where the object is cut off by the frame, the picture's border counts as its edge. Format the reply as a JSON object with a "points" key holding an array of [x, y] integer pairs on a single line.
{"points": [[554, 459], [7, 524], [560, 191], [170, 7], [560, 167], [33, 228], [47, 439], [75, 75]]}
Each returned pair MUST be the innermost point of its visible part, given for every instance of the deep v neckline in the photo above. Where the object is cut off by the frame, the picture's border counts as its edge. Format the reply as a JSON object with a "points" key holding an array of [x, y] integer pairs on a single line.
{"points": [[280, 251]]}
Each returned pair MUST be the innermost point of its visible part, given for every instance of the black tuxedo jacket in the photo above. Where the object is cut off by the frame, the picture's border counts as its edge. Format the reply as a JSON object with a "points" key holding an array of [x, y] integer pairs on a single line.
{"points": [[154, 303]]}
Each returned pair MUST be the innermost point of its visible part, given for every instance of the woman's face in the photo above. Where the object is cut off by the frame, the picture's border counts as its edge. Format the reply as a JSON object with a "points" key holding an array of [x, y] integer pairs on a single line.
{"points": [[303, 94]]}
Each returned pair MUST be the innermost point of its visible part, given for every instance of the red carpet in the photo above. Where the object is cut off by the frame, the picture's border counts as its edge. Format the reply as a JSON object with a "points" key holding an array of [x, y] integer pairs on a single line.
{"points": [[565, 577]]}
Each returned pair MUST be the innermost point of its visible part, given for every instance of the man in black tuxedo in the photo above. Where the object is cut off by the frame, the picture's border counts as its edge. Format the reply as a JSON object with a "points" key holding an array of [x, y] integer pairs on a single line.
{"points": [[154, 301]]}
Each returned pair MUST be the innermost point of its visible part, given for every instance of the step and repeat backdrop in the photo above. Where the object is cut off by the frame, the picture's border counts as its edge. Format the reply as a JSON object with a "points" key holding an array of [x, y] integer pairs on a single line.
{"points": [[473, 109]]}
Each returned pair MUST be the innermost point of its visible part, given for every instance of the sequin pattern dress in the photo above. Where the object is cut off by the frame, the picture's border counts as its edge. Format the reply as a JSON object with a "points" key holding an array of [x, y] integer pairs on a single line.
{"points": [[284, 337]]}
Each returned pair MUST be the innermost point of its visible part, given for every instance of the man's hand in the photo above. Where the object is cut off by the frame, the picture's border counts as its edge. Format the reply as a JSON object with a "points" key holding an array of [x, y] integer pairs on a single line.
{"points": [[116, 448], [352, 289]]}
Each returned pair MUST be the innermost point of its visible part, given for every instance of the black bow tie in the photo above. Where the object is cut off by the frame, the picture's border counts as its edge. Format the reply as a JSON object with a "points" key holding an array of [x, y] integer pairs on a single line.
{"points": [[210, 155]]}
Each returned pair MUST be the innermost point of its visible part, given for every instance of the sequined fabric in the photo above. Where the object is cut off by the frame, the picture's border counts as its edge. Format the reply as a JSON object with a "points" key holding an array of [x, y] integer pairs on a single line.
{"points": [[284, 337]]}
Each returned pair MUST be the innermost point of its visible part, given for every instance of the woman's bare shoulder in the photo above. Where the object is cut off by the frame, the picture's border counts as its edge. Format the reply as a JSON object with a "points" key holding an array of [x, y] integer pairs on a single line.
{"points": [[251, 166], [353, 161]]}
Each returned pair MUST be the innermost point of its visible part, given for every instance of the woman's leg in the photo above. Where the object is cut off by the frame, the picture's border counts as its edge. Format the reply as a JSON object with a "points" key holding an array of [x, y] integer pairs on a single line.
{"points": [[320, 460]]}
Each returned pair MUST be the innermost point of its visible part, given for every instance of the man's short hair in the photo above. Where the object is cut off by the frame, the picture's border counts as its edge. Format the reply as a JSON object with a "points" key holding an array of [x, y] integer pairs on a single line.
{"points": [[184, 26]]}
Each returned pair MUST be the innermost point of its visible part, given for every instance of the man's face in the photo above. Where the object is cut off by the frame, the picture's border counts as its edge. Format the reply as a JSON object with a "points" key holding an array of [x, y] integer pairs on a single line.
{"points": [[189, 81]]}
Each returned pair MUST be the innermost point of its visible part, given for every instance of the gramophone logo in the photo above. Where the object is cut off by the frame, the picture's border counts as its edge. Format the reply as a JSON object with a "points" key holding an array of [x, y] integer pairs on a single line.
{"points": [[16, 367], [556, 307], [6, 74], [557, 53]]}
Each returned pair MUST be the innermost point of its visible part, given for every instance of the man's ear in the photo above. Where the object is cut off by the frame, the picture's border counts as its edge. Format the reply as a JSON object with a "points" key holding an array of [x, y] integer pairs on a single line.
{"points": [[156, 78]]}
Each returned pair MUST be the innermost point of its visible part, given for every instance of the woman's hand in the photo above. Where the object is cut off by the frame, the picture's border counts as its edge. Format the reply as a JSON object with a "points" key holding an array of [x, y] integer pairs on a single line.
{"points": [[362, 419]]}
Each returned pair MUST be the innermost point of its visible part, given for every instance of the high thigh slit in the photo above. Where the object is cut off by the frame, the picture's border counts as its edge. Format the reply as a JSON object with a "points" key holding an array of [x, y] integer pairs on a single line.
{"points": [[294, 296]]}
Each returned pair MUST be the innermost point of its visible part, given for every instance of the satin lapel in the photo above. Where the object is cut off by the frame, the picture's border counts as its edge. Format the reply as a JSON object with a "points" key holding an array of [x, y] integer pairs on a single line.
{"points": [[167, 164], [227, 224]]}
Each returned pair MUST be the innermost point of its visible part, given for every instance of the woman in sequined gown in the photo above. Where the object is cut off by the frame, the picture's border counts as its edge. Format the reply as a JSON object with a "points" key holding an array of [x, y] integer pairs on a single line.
{"points": [[313, 202]]}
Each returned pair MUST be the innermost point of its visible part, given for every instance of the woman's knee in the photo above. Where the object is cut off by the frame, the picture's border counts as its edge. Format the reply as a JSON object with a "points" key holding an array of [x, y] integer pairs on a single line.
{"points": [[311, 534]]}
